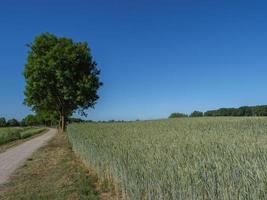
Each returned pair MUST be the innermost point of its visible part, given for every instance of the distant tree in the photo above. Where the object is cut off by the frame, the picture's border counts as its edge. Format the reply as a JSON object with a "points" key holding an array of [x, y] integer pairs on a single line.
{"points": [[13, 122], [260, 110], [47, 118], [196, 114], [178, 115], [75, 120], [61, 76], [29, 120], [209, 113], [241, 111], [2, 122], [40, 118], [246, 111]]}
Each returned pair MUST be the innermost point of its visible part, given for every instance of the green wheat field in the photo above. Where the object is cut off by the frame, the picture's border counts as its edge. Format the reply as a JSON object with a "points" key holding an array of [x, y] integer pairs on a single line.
{"points": [[187, 158]]}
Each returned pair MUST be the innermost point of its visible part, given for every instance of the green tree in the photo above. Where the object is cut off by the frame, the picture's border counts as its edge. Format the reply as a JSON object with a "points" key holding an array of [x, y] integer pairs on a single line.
{"points": [[13, 122], [47, 118], [2, 122], [177, 115], [196, 114], [29, 120], [61, 76]]}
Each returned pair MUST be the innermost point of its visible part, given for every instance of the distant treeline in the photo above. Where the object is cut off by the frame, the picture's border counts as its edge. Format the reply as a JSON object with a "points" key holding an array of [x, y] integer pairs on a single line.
{"points": [[50, 120], [242, 111], [44, 120], [29, 120], [234, 112], [10, 122]]}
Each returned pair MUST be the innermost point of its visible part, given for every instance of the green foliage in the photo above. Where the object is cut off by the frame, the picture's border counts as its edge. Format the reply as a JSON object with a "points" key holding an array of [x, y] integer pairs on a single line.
{"points": [[41, 118], [30, 120], [242, 111], [3, 122], [177, 115], [75, 120], [47, 118], [196, 114], [13, 122], [187, 158], [61, 76]]}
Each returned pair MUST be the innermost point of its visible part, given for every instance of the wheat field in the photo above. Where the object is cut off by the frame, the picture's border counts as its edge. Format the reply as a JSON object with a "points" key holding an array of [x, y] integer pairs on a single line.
{"points": [[178, 159]]}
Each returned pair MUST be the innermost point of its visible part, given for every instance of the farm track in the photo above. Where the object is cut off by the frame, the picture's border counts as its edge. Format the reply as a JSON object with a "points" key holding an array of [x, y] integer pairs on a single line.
{"points": [[14, 157]]}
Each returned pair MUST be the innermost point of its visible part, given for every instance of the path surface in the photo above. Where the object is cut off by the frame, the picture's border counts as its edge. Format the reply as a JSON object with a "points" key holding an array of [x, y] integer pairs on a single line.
{"points": [[14, 157]]}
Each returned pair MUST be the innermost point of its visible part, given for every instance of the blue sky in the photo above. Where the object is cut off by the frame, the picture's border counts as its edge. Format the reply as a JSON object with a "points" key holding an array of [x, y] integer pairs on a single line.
{"points": [[156, 57]]}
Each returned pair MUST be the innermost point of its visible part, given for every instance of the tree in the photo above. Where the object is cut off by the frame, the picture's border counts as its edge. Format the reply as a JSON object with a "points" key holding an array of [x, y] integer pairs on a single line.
{"points": [[29, 120], [61, 76], [177, 115], [13, 122], [47, 118], [196, 114], [76, 120], [2, 122]]}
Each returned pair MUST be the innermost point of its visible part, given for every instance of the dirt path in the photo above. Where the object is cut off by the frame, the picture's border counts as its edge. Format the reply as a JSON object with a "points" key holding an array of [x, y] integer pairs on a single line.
{"points": [[14, 157]]}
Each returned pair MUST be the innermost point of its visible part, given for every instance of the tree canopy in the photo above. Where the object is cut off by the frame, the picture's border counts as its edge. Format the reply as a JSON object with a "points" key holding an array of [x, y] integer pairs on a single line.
{"points": [[196, 114], [177, 115], [13, 122], [61, 76]]}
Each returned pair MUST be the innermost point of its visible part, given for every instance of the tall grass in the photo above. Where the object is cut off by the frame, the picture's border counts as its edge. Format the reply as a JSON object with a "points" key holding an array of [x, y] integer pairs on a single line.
{"points": [[202, 158], [30, 132], [11, 134]]}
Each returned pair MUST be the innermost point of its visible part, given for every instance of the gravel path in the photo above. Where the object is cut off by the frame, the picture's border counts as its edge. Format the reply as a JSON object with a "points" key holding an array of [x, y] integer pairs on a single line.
{"points": [[14, 157]]}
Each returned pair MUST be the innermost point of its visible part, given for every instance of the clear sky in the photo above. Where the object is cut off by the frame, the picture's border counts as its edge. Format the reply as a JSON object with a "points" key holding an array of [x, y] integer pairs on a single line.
{"points": [[156, 57]]}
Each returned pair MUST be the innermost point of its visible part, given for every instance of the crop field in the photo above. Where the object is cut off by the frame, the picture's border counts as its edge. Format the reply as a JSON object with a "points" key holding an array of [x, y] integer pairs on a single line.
{"points": [[188, 158], [11, 134]]}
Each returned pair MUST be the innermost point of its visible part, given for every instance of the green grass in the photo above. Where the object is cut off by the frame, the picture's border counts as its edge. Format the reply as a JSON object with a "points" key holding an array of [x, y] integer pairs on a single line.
{"points": [[11, 134], [200, 158], [52, 173], [30, 132]]}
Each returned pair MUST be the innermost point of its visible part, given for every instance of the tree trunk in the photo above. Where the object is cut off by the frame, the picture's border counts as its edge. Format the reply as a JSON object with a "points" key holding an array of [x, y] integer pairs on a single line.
{"points": [[59, 125], [63, 123]]}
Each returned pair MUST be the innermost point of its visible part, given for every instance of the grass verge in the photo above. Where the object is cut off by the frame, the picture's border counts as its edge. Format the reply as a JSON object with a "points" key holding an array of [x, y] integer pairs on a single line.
{"points": [[52, 173]]}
